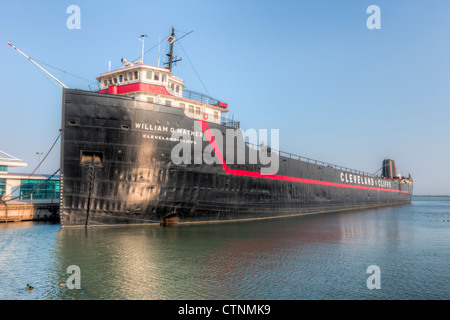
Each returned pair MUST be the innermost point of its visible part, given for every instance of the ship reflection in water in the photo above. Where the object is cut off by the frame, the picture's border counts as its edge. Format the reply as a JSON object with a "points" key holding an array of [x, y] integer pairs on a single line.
{"points": [[323, 256]]}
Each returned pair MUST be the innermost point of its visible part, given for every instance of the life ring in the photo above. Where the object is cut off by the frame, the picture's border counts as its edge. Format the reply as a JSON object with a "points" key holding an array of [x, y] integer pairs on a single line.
{"points": [[205, 116]]}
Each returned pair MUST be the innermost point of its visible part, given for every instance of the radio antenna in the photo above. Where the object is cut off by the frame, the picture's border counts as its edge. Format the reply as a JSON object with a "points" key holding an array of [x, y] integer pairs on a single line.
{"points": [[159, 50], [142, 38]]}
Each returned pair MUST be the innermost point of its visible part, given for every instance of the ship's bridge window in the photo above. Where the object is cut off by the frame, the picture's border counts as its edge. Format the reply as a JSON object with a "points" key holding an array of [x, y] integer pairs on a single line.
{"points": [[216, 115], [171, 86], [177, 89], [156, 76], [163, 78], [115, 80], [182, 106], [110, 82], [149, 75], [105, 83], [136, 75], [121, 78], [168, 103], [191, 108], [197, 110]]}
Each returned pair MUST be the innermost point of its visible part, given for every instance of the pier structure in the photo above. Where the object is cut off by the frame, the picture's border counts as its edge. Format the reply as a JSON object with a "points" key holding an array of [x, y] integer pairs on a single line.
{"points": [[25, 197]]}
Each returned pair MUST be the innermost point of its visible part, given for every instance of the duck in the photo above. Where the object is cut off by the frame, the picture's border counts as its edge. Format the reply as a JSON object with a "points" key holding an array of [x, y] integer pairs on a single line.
{"points": [[30, 288], [61, 284]]}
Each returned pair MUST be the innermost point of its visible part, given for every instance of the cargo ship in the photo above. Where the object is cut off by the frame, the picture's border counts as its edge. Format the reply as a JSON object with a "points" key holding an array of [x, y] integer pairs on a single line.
{"points": [[117, 160]]}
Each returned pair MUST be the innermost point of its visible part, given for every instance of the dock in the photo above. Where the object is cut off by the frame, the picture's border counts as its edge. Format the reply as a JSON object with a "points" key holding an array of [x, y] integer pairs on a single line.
{"points": [[16, 211]]}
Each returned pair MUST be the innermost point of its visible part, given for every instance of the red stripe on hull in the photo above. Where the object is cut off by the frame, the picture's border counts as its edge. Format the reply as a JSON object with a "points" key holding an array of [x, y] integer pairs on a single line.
{"points": [[207, 132]]}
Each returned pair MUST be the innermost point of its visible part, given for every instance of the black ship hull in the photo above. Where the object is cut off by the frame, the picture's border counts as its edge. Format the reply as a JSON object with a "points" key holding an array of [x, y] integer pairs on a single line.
{"points": [[116, 168]]}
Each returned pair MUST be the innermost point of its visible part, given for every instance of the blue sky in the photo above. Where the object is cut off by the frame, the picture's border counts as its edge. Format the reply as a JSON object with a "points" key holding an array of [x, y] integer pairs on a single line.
{"points": [[338, 92]]}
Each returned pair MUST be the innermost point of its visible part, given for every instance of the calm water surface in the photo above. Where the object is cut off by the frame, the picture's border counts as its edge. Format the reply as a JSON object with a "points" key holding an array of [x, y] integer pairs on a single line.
{"points": [[323, 256]]}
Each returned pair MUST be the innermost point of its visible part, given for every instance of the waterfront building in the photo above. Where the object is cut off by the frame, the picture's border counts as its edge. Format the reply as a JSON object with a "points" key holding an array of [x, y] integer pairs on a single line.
{"points": [[23, 186]]}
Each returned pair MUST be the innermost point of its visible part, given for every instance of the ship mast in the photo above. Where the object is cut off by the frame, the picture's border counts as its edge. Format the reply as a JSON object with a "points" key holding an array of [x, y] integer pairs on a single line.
{"points": [[62, 84], [172, 59]]}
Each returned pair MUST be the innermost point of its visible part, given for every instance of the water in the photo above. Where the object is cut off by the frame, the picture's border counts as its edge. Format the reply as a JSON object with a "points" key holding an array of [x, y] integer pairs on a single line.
{"points": [[323, 256]]}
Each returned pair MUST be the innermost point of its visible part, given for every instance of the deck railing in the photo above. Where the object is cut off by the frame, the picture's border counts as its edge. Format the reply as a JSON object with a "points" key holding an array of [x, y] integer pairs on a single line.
{"points": [[200, 97], [308, 160], [231, 123]]}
